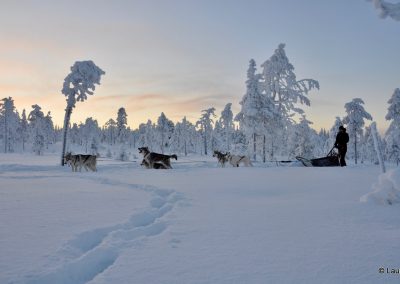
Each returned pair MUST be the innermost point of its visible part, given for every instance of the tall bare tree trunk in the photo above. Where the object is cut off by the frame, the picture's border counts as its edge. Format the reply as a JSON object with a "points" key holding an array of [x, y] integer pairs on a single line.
{"points": [[264, 149], [185, 149], [205, 143], [228, 142], [67, 118], [272, 149], [254, 147], [355, 147]]}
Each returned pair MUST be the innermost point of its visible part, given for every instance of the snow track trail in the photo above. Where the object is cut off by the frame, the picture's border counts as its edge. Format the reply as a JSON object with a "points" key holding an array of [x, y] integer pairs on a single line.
{"points": [[92, 252]]}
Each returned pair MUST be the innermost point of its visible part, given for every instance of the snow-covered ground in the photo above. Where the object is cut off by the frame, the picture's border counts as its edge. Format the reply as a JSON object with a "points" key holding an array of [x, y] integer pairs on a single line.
{"points": [[193, 224]]}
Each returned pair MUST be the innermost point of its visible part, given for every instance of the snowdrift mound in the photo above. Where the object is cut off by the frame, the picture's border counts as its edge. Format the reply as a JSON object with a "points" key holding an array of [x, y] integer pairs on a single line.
{"points": [[387, 190]]}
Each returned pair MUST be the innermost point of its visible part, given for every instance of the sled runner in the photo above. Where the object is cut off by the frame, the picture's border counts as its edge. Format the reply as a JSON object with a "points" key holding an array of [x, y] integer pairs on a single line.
{"points": [[331, 160]]}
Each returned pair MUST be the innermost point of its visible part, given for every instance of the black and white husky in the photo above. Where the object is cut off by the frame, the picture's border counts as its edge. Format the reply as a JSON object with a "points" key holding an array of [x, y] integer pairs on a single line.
{"points": [[235, 160], [152, 158], [222, 159], [79, 161]]}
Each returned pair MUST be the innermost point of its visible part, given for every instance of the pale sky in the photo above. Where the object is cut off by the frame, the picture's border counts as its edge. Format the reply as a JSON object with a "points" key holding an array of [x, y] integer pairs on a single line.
{"points": [[183, 56]]}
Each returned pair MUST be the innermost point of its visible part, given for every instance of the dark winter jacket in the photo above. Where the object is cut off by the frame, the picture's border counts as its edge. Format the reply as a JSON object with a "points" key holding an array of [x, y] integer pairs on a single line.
{"points": [[342, 138]]}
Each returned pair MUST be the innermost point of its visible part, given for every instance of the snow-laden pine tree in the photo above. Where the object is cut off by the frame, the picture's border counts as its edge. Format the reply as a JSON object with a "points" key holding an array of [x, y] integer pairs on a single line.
{"points": [[122, 121], [123, 154], [253, 108], [368, 152], [218, 137], [302, 139], [393, 132], [165, 128], [91, 135], [205, 124], [36, 124], [10, 121], [184, 137], [354, 120], [280, 85], [78, 84], [74, 135], [147, 135], [320, 143], [111, 131], [239, 143], [226, 123], [132, 137], [24, 129], [48, 130], [388, 9]]}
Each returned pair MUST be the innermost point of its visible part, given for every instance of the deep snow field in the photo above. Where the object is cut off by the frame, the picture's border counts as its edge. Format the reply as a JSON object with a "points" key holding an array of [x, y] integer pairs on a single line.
{"points": [[194, 224]]}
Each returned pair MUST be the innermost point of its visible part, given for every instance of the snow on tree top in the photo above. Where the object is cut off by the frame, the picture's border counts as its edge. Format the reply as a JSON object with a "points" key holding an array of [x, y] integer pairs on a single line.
{"points": [[81, 81]]}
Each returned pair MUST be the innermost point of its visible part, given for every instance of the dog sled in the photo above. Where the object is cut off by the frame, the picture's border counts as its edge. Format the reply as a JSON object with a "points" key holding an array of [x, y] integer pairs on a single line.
{"points": [[331, 160]]}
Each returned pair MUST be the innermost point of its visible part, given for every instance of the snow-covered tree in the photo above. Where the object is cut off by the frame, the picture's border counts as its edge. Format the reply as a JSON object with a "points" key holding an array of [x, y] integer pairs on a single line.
{"points": [[122, 121], [184, 137], [393, 132], [218, 137], [146, 134], [320, 143], [301, 140], [355, 121], [48, 130], [387, 9], [280, 83], [111, 131], [36, 120], [206, 127], [77, 85], [252, 104], [393, 148], [123, 154], [132, 137], [91, 135], [239, 143], [165, 128], [24, 129], [10, 120], [74, 136], [283, 94], [226, 123]]}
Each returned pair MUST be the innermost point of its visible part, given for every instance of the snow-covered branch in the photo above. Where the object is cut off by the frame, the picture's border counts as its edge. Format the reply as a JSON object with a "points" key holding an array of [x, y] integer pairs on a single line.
{"points": [[387, 9]]}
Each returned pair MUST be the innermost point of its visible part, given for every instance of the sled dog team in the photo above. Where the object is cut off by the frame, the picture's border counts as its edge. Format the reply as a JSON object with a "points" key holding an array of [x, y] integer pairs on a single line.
{"points": [[151, 160]]}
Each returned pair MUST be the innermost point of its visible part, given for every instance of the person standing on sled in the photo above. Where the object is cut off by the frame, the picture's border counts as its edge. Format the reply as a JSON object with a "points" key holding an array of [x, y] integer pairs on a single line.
{"points": [[342, 138]]}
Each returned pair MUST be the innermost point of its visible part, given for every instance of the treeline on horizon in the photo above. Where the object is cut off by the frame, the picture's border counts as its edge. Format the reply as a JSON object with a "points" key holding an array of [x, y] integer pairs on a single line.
{"points": [[270, 125]]}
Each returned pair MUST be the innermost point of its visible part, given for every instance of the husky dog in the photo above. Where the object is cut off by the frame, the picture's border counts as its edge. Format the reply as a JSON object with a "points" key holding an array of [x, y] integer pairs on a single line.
{"points": [[156, 165], [86, 161], [235, 160], [152, 158], [222, 159]]}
